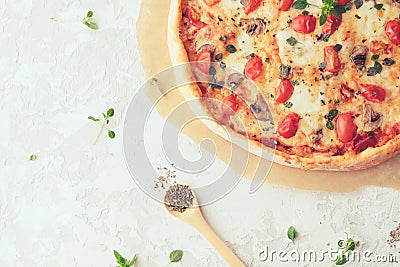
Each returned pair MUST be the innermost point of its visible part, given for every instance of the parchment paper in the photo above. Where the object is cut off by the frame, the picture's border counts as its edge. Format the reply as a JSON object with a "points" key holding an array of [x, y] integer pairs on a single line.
{"points": [[152, 39]]}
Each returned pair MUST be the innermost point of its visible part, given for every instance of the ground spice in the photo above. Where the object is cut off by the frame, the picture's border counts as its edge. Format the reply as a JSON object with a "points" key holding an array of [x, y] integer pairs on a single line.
{"points": [[179, 197], [166, 176], [394, 237]]}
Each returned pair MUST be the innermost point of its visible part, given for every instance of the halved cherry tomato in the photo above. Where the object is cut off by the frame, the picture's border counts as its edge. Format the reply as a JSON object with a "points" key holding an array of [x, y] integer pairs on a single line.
{"points": [[392, 30], [211, 2], [251, 5], [343, 2], [203, 59], [332, 60], [380, 48], [230, 105], [194, 19], [253, 68], [331, 25], [285, 4], [373, 93], [288, 126], [304, 23], [346, 129], [284, 91]]}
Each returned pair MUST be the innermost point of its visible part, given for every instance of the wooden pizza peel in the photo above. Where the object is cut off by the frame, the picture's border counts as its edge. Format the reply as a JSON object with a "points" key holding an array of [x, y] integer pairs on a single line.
{"points": [[152, 39]]}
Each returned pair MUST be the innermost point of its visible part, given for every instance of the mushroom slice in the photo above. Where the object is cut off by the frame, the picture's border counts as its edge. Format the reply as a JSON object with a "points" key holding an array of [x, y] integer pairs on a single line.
{"points": [[371, 120], [209, 47], [261, 109], [359, 55], [315, 138], [255, 26], [234, 79]]}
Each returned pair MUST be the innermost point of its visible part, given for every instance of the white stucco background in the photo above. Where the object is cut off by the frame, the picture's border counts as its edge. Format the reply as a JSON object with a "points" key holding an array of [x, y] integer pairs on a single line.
{"points": [[77, 201]]}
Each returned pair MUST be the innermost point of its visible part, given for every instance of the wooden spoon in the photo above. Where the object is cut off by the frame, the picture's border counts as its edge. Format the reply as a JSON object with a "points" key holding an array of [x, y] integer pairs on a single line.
{"points": [[194, 217]]}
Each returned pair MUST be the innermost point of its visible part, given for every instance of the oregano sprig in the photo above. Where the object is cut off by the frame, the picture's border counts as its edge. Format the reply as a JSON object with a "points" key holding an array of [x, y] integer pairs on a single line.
{"points": [[103, 123]]}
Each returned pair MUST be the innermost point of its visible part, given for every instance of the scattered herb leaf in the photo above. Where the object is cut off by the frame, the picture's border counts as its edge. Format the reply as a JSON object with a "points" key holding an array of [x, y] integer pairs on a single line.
{"points": [[88, 21], [295, 82], [32, 157], [330, 125], [288, 104], [300, 4], [337, 47], [326, 37], [292, 41], [106, 119], [175, 256], [374, 57], [153, 81], [291, 233], [124, 262], [378, 6]]}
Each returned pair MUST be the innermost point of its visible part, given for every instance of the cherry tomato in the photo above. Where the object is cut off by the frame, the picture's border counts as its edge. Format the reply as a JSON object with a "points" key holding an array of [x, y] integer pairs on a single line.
{"points": [[380, 48], [373, 93], [194, 19], [203, 59], [303, 23], [346, 129], [343, 2], [284, 91], [251, 5], [331, 25], [230, 104], [211, 2], [392, 30], [332, 60], [285, 4], [253, 68], [288, 126]]}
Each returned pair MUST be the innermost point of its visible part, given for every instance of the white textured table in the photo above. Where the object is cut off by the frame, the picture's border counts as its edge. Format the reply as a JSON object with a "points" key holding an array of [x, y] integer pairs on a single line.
{"points": [[77, 201]]}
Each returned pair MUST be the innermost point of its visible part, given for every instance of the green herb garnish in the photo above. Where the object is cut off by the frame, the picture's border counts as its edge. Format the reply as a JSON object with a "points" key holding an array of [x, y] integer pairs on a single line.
{"points": [[328, 7], [106, 120], [378, 6], [374, 57], [223, 38], [88, 21], [175, 256], [347, 246], [325, 37], [124, 262], [329, 117], [330, 125], [288, 104], [300, 4], [153, 81], [32, 157], [291, 233], [292, 41], [295, 82]]}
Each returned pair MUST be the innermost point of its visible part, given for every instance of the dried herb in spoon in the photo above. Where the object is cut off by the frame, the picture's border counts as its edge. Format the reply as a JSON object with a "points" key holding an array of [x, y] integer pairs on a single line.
{"points": [[179, 197]]}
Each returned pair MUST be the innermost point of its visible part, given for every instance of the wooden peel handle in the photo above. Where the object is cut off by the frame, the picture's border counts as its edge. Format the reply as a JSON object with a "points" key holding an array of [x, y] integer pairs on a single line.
{"points": [[202, 226]]}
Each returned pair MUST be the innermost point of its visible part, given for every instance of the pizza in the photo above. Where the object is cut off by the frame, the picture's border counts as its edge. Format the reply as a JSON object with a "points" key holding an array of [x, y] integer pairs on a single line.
{"points": [[327, 75]]}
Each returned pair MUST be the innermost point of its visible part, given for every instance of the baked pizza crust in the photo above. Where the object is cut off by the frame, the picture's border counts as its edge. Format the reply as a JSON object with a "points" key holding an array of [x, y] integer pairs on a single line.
{"points": [[366, 159]]}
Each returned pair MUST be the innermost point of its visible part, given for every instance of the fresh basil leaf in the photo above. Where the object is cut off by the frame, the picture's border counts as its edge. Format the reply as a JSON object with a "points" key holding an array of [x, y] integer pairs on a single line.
{"points": [[340, 9], [300, 4], [111, 134], [291, 233], [322, 19], [332, 114], [120, 260], [153, 81], [132, 261], [32, 157], [92, 25], [378, 6], [351, 245], [342, 259], [175, 256], [374, 57], [89, 14], [305, 12], [110, 112]]}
